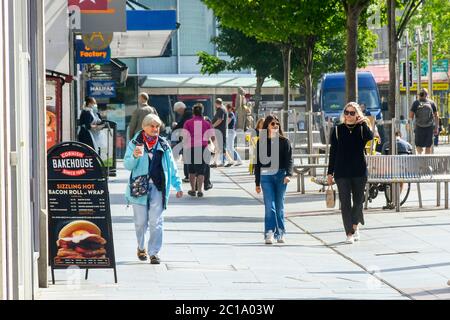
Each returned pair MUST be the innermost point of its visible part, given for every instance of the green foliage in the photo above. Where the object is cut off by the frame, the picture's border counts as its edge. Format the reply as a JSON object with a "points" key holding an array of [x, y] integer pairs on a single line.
{"points": [[438, 13]]}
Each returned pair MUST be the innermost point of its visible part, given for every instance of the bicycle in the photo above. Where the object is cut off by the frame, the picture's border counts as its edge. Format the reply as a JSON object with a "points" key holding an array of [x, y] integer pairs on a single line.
{"points": [[375, 188]]}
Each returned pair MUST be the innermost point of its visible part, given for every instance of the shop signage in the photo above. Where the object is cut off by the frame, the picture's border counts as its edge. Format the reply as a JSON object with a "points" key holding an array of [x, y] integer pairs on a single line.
{"points": [[89, 16], [101, 89], [441, 86], [440, 65], [97, 40], [86, 55], [79, 222], [90, 5]]}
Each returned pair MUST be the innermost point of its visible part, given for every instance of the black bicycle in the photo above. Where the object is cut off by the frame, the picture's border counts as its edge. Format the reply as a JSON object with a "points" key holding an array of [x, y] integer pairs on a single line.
{"points": [[375, 188]]}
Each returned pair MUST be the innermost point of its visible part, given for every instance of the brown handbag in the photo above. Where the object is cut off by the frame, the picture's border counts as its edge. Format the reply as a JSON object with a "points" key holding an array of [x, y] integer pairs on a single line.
{"points": [[330, 197]]}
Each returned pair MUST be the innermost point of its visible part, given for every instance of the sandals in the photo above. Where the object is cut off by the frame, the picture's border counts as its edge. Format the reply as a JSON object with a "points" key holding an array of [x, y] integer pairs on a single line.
{"points": [[142, 255]]}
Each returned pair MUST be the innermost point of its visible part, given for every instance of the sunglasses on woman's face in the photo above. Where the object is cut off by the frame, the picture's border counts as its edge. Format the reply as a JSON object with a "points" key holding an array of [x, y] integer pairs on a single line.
{"points": [[273, 124], [351, 113]]}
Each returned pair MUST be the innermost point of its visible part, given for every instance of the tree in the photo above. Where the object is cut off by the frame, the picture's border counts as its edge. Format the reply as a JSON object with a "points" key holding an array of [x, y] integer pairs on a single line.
{"points": [[246, 52], [287, 24], [353, 10], [395, 33], [437, 13]]}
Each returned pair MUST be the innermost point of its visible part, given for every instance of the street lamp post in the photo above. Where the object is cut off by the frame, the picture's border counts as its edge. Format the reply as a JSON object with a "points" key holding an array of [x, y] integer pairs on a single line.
{"points": [[419, 42], [430, 58], [408, 93]]}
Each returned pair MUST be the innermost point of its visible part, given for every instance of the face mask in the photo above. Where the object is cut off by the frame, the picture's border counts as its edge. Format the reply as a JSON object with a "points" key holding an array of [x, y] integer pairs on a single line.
{"points": [[95, 108]]}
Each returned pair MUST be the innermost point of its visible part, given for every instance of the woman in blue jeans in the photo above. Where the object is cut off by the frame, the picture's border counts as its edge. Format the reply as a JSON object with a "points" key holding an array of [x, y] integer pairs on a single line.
{"points": [[149, 156], [273, 170]]}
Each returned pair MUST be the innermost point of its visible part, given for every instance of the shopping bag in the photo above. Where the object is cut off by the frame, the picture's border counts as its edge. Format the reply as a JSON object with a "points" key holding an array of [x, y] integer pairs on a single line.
{"points": [[330, 197]]}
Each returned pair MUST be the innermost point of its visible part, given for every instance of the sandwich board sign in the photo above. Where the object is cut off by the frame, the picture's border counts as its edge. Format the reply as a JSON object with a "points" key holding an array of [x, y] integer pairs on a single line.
{"points": [[79, 212]]}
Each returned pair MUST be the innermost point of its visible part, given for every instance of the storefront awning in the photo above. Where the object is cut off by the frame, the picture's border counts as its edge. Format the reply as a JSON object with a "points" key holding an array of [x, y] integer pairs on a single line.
{"points": [[199, 81], [148, 33]]}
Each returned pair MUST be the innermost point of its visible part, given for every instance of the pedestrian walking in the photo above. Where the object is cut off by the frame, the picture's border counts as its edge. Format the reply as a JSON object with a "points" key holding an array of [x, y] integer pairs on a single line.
{"points": [[211, 144], [253, 140], [185, 114], [195, 142], [220, 123], [153, 172], [272, 174], [140, 113], [347, 165], [427, 122], [232, 136], [90, 125]]}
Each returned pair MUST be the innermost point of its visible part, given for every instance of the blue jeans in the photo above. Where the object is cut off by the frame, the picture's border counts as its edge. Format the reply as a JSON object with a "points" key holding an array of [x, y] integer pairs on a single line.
{"points": [[230, 145], [150, 217], [274, 190]]}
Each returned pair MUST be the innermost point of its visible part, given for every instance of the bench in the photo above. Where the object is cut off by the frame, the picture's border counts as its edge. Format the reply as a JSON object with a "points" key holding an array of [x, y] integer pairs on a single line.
{"points": [[302, 169], [410, 169]]}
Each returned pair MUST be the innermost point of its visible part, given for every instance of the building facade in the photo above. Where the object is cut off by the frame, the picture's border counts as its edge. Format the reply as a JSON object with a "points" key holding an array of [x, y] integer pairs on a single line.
{"points": [[23, 260]]}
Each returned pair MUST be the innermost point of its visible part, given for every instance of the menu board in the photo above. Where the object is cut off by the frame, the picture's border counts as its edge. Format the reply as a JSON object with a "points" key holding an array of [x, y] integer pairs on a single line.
{"points": [[80, 226]]}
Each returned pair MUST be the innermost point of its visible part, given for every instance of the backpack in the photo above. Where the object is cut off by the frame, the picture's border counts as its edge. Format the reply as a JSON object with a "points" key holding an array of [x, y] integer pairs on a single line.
{"points": [[424, 114]]}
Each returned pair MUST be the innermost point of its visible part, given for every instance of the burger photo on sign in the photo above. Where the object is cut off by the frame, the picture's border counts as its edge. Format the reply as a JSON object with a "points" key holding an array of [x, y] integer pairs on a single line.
{"points": [[81, 239]]}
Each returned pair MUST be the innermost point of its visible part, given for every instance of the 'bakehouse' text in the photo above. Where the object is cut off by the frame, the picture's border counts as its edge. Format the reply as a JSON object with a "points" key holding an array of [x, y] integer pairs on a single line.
{"points": [[72, 163]]}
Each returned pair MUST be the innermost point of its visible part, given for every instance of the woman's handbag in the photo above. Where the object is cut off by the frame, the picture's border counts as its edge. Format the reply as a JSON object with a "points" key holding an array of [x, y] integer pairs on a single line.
{"points": [[139, 186], [330, 197]]}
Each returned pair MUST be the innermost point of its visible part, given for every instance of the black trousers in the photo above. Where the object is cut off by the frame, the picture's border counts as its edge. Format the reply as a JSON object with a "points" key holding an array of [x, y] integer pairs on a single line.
{"points": [[349, 188]]}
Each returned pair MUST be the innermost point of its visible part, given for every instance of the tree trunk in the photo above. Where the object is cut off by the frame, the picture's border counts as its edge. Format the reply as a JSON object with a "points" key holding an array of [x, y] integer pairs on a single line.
{"points": [[392, 57], [259, 83], [351, 57], [308, 69], [286, 51]]}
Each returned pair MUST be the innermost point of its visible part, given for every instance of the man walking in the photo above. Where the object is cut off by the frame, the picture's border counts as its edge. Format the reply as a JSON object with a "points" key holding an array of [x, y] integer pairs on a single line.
{"points": [[185, 114], [220, 123], [140, 113], [427, 122]]}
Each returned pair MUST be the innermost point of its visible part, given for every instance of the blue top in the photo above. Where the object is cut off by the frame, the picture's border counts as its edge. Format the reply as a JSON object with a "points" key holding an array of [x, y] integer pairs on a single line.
{"points": [[232, 124]]}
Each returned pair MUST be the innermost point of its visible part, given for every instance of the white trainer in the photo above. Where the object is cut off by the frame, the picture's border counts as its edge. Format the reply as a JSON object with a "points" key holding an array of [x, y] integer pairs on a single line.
{"points": [[350, 239], [269, 237], [356, 235], [281, 240]]}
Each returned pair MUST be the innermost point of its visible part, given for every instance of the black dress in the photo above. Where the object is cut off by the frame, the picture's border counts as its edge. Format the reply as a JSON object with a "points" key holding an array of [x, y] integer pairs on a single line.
{"points": [[85, 122]]}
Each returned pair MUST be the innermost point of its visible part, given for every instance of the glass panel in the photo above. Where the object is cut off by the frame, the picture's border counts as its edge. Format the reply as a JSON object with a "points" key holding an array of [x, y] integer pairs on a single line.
{"points": [[198, 27]]}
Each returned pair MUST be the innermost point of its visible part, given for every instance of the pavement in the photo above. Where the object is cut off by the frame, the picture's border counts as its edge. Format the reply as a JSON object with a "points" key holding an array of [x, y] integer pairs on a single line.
{"points": [[214, 249]]}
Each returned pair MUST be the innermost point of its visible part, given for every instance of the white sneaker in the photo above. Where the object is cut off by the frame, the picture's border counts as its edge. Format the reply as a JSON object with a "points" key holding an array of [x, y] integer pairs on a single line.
{"points": [[269, 237], [356, 235], [281, 240], [350, 240]]}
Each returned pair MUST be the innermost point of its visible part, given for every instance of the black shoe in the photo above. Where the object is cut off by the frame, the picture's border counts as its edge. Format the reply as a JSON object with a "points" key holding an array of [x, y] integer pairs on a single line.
{"points": [[208, 186], [186, 180], [155, 260], [192, 193], [200, 194], [229, 164], [213, 166], [142, 254]]}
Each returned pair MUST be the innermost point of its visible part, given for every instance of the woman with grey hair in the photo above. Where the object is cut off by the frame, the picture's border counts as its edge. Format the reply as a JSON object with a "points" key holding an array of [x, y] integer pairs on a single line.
{"points": [[347, 165], [153, 172]]}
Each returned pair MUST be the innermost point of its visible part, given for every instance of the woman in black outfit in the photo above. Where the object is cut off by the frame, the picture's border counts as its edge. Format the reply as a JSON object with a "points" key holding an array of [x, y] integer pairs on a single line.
{"points": [[90, 123], [347, 165], [273, 171]]}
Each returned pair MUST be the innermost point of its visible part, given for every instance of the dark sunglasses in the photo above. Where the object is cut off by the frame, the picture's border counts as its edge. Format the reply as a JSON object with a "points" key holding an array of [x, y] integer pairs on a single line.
{"points": [[273, 124], [352, 113]]}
